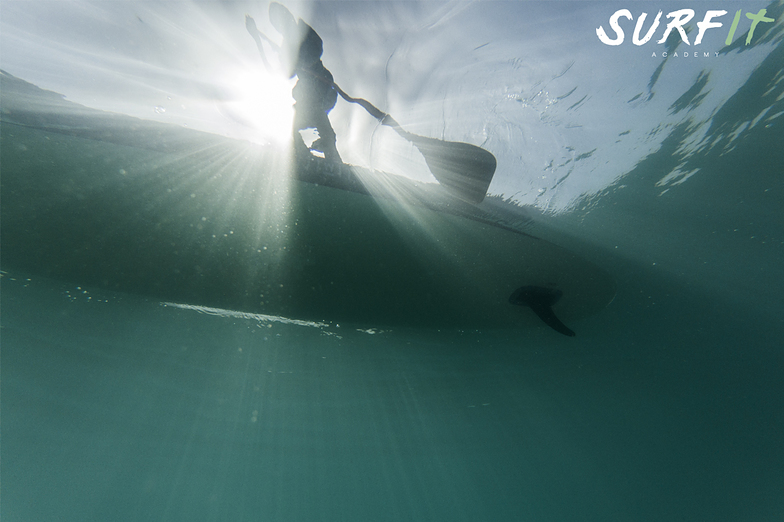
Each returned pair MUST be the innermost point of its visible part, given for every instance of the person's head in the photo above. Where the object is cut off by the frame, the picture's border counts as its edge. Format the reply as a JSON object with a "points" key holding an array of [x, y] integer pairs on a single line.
{"points": [[282, 19]]}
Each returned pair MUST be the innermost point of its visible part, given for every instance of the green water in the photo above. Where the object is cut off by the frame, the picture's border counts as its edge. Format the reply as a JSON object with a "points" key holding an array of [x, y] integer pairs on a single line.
{"points": [[664, 406], [667, 405]]}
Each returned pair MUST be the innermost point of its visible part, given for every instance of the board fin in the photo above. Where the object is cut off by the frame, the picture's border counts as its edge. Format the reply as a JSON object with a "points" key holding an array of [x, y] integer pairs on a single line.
{"points": [[541, 299]]}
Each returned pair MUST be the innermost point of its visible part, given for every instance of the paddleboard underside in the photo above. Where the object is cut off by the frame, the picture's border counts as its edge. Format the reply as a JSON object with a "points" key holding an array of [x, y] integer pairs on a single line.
{"points": [[228, 224]]}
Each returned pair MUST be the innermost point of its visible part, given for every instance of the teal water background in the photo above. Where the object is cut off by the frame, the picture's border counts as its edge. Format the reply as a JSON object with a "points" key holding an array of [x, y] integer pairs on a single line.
{"points": [[666, 406]]}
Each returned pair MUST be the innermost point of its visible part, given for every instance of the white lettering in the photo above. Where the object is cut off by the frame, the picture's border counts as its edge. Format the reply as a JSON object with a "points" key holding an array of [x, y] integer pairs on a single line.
{"points": [[707, 24], [679, 19], [615, 27], [649, 34]]}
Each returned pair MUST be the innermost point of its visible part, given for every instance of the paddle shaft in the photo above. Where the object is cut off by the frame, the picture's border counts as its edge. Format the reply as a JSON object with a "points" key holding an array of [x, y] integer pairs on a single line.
{"points": [[381, 116], [374, 111], [463, 168]]}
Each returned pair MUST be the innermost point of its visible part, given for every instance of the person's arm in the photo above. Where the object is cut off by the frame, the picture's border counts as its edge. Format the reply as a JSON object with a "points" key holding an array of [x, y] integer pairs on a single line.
{"points": [[250, 25]]}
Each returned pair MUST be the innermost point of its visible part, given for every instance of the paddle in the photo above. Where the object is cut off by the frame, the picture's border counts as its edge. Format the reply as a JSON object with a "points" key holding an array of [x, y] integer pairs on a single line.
{"points": [[464, 169]]}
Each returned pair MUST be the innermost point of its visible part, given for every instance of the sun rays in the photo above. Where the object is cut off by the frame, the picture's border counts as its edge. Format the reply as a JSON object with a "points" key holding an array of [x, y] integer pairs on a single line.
{"points": [[261, 102]]}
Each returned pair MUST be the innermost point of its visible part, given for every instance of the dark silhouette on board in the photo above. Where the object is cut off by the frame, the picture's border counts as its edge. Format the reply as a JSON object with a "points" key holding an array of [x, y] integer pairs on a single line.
{"points": [[541, 300], [314, 93], [465, 170]]}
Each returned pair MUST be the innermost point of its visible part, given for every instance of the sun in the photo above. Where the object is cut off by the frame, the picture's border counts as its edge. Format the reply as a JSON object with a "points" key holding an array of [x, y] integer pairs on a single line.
{"points": [[262, 102]]}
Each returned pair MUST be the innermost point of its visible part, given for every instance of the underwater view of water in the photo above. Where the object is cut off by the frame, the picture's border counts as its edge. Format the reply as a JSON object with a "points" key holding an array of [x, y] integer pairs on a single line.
{"points": [[658, 164]]}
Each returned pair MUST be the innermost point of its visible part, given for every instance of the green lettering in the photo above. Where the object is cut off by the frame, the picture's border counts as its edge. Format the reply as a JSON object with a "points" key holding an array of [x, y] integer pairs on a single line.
{"points": [[733, 27], [755, 19]]}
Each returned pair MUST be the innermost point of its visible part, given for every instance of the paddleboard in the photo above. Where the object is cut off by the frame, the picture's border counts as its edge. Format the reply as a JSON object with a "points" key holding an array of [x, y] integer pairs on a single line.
{"points": [[184, 216]]}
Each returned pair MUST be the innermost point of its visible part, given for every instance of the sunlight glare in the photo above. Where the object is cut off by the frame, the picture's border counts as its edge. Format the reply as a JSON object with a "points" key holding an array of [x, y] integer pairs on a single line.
{"points": [[263, 102]]}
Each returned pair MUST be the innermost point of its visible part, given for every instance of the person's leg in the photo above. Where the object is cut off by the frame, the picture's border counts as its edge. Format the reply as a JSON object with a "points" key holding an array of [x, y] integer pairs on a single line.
{"points": [[300, 122], [327, 141]]}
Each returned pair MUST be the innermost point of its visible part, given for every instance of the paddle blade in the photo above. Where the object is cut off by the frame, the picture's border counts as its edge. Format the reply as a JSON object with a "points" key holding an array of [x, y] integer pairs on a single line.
{"points": [[464, 169]]}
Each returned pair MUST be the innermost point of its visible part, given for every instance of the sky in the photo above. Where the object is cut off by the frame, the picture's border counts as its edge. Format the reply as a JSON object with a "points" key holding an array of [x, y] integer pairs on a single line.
{"points": [[565, 114]]}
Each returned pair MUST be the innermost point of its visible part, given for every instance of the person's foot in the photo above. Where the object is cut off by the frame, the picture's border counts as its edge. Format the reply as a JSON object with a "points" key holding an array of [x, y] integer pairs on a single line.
{"points": [[330, 153]]}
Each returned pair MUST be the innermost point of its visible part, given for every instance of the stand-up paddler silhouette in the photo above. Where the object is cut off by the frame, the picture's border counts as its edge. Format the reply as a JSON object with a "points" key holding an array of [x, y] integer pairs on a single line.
{"points": [[465, 170], [314, 93]]}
